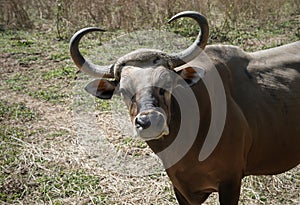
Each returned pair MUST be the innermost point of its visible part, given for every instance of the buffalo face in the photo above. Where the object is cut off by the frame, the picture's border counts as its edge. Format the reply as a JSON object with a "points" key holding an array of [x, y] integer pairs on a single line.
{"points": [[145, 78], [145, 82]]}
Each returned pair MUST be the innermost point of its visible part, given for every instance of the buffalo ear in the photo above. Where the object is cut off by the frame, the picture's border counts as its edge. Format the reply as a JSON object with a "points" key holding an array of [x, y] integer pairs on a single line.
{"points": [[191, 75], [101, 88]]}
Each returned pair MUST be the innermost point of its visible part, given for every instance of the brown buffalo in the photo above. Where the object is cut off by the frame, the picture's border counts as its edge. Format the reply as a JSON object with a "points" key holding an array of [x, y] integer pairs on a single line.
{"points": [[261, 130]]}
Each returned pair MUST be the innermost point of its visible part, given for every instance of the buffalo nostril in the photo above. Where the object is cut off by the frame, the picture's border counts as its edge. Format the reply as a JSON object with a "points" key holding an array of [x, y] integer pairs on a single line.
{"points": [[142, 121]]}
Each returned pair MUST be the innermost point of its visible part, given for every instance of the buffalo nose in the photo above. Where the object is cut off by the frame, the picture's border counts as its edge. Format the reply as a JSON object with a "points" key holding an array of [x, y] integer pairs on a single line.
{"points": [[142, 121]]}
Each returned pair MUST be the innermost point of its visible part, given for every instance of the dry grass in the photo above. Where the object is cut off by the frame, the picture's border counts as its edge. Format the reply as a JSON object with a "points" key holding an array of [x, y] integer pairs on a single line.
{"points": [[65, 17], [59, 146]]}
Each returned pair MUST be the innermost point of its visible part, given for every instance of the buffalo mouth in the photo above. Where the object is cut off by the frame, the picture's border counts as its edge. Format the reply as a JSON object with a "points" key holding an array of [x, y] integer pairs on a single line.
{"points": [[151, 124]]}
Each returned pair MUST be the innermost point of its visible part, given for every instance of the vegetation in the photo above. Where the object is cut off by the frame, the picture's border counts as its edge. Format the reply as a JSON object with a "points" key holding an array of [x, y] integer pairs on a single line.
{"points": [[50, 151]]}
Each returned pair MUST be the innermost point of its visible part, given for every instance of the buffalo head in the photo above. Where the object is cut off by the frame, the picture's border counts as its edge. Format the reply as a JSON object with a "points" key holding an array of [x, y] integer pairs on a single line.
{"points": [[145, 78]]}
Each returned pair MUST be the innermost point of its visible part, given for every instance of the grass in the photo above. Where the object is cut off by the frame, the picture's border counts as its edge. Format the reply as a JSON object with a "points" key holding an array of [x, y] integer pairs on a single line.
{"points": [[38, 179], [66, 184], [25, 170], [13, 118], [51, 132], [38, 69], [16, 112]]}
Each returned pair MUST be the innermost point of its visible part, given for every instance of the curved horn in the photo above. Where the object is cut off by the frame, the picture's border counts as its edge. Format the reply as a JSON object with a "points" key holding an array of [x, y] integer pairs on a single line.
{"points": [[199, 44], [83, 64]]}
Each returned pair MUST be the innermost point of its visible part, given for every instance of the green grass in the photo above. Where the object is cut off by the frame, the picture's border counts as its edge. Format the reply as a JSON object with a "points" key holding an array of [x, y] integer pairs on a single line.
{"points": [[64, 73], [12, 186], [13, 117], [47, 85], [16, 112], [61, 184], [41, 90], [41, 65]]}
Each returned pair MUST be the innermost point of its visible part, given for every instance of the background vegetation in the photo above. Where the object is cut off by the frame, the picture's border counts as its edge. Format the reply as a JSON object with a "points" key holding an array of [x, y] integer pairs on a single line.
{"points": [[42, 158], [228, 19]]}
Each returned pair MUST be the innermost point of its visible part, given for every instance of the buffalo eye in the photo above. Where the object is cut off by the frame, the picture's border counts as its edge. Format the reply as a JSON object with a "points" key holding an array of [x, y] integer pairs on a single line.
{"points": [[162, 91], [155, 61]]}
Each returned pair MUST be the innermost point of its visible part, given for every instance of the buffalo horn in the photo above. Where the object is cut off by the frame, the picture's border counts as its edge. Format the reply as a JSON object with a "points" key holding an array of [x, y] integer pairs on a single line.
{"points": [[199, 44], [84, 64]]}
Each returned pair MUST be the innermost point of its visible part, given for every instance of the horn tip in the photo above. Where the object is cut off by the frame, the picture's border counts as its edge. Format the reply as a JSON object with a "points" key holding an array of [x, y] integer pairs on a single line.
{"points": [[183, 14]]}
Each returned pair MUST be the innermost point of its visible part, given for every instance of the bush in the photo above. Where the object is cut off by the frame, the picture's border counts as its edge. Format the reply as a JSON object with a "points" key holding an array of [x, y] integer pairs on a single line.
{"points": [[65, 16]]}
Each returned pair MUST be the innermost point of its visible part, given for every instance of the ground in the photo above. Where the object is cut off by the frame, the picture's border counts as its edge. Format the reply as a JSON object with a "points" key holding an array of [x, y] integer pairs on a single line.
{"points": [[54, 138]]}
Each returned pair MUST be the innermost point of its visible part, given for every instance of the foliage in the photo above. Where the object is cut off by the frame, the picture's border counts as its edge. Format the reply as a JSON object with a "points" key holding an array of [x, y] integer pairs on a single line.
{"points": [[65, 17]]}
